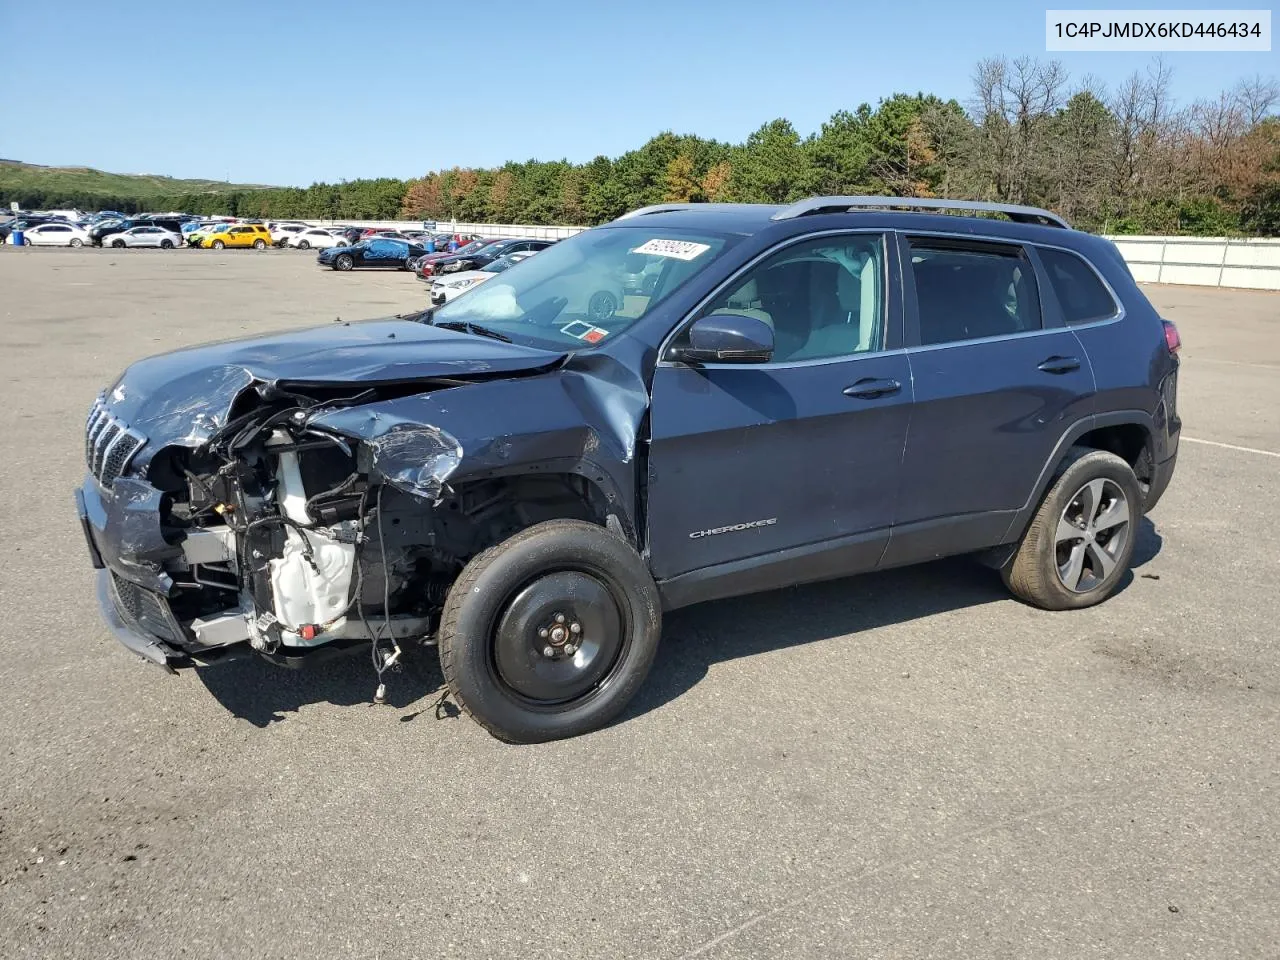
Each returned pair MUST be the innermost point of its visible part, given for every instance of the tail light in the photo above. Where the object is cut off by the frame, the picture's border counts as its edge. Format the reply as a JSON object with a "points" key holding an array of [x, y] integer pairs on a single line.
{"points": [[1172, 340]]}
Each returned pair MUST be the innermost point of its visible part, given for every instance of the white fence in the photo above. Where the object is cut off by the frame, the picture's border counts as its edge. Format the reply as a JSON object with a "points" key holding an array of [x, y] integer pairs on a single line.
{"points": [[1203, 261], [1200, 261], [453, 226]]}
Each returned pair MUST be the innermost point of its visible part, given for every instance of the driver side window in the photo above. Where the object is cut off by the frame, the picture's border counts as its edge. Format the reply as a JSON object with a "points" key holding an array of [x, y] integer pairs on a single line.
{"points": [[823, 297]]}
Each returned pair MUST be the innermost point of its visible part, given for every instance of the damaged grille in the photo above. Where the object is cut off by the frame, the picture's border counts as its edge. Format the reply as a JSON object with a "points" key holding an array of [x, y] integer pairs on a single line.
{"points": [[148, 610], [109, 444]]}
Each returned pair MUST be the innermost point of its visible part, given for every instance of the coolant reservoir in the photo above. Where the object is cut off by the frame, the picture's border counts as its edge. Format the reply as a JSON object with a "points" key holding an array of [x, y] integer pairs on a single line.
{"points": [[304, 595]]}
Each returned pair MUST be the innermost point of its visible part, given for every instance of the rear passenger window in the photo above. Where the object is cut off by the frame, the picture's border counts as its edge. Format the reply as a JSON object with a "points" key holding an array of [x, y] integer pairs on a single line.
{"points": [[968, 292], [1079, 291]]}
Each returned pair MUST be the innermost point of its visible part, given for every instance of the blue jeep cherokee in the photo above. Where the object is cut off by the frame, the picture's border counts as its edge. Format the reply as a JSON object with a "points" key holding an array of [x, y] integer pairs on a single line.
{"points": [[692, 402]]}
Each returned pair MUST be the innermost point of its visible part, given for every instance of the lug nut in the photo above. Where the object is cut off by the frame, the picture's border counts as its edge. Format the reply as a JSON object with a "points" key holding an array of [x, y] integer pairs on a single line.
{"points": [[548, 651], [543, 633], [570, 649], [559, 618], [575, 628]]}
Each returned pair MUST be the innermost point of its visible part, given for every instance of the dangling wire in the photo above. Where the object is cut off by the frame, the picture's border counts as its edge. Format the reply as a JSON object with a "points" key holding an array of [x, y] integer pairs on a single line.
{"points": [[382, 663]]}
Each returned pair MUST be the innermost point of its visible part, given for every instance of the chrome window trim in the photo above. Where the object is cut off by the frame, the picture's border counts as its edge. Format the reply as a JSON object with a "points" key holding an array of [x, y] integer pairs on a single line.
{"points": [[986, 238], [692, 314]]}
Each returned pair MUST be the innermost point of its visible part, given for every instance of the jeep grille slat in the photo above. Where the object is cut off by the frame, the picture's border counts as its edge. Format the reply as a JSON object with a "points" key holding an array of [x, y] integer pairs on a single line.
{"points": [[109, 444]]}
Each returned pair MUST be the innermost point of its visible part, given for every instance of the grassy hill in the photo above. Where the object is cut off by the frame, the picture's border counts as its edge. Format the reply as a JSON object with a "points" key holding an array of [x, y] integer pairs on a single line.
{"points": [[27, 178]]}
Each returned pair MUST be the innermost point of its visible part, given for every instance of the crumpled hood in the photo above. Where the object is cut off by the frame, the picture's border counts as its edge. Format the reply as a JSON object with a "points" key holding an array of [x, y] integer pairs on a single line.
{"points": [[186, 395]]}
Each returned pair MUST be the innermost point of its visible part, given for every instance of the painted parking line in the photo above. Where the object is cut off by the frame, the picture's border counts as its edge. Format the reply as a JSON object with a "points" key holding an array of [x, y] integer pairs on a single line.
{"points": [[1239, 363], [1232, 446]]}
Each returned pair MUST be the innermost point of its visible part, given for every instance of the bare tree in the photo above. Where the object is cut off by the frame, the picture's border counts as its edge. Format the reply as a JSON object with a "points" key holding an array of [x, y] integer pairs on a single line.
{"points": [[1150, 155], [1256, 97], [1014, 101]]}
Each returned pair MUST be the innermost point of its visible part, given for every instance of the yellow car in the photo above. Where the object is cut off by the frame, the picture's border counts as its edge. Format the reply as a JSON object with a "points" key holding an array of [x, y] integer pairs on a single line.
{"points": [[238, 235]]}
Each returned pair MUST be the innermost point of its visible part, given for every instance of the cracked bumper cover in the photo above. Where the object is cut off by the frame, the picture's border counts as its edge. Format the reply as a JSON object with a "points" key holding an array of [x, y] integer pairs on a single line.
{"points": [[122, 533]]}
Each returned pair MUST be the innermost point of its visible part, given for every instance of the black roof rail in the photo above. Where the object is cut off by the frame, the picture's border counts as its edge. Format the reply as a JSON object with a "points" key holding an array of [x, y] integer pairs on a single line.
{"points": [[1015, 212]]}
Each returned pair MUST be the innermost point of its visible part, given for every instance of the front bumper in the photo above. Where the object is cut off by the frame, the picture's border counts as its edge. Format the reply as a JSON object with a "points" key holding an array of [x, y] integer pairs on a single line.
{"points": [[122, 532], [130, 633]]}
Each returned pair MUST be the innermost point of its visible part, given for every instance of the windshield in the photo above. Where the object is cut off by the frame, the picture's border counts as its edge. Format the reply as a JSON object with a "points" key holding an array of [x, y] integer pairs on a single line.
{"points": [[582, 291]]}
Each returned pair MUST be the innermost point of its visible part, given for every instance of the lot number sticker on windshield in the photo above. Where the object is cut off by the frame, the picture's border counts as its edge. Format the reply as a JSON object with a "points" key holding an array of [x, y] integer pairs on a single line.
{"points": [[581, 330], [677, 249]]}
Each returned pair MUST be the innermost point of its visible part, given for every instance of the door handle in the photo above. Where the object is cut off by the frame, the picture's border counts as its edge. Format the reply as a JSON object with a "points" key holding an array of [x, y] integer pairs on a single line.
{"points": [[1060, 365], [869, 389]]}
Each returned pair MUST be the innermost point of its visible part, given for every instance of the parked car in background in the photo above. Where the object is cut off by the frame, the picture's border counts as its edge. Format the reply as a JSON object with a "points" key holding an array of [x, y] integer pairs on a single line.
{"points": [[322, 238], [55, 235], [281, 232], [105, 228], [476, 259], [237, 235], [425, 265], [444, 289], [386, 253], [145, 235], [195, 236], [165, 222]]}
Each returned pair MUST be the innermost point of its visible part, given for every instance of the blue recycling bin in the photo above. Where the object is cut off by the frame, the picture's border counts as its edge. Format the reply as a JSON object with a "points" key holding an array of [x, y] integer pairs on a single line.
{"points": [[19, 238], [431, 246]]}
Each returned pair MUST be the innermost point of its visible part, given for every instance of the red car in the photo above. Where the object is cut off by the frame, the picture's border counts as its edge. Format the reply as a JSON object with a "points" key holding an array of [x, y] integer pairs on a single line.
{"points": [[424, 267]]}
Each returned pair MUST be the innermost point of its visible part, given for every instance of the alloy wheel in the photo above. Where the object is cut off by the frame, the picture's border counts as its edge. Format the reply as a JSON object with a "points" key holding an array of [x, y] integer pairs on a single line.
{"points": [[1091, 535]]}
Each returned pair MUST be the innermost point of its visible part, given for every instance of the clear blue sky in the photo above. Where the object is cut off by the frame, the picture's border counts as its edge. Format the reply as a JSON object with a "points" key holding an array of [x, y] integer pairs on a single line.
{"points": [[293, 92]]}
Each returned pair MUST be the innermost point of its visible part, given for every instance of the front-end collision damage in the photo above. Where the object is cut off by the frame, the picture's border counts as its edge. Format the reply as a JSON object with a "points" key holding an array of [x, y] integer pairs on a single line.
{"points": [[414, 458], [287, 515]]}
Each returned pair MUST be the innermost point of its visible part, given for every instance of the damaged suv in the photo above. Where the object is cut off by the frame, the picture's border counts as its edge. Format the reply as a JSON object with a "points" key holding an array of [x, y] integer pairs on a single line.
{"points": [[530, 475]]}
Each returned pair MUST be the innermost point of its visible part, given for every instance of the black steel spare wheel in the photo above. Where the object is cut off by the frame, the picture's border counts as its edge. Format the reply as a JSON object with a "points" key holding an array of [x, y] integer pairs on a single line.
{"points": [[549, 633], [558, 638]]}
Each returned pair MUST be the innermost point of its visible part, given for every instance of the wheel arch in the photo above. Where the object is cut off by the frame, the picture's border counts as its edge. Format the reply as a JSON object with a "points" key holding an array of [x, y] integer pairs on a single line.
{"points": [[592, 494], [1130, 434]]}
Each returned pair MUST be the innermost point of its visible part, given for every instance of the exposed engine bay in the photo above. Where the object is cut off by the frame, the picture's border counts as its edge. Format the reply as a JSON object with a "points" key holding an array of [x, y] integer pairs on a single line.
{"points": [[294, 537]]}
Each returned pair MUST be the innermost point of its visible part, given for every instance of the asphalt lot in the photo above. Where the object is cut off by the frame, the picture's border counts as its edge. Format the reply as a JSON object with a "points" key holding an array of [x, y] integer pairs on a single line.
{"points": [[908, 764]]}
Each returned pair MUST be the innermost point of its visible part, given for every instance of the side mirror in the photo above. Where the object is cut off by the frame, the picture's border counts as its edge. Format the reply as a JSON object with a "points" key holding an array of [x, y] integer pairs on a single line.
{"points": [[727, 338]]}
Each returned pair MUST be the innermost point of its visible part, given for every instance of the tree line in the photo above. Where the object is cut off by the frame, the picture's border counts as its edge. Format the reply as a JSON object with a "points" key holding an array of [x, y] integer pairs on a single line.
{"points": [[1127, 160]]}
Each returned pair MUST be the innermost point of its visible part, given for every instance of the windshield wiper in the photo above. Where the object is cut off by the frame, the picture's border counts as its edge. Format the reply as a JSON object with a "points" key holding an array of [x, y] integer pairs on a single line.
{"points": [[466, 326], [418, 316]]}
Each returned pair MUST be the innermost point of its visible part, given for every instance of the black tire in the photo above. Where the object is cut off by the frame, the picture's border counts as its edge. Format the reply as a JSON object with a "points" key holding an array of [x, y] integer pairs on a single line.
{"points": [[217, 244], [506, 596], [343, 261], [77, 242], [304, 244], [259, 244], [166, 244], [1046, 560], [118, 244], [602, 305]]}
